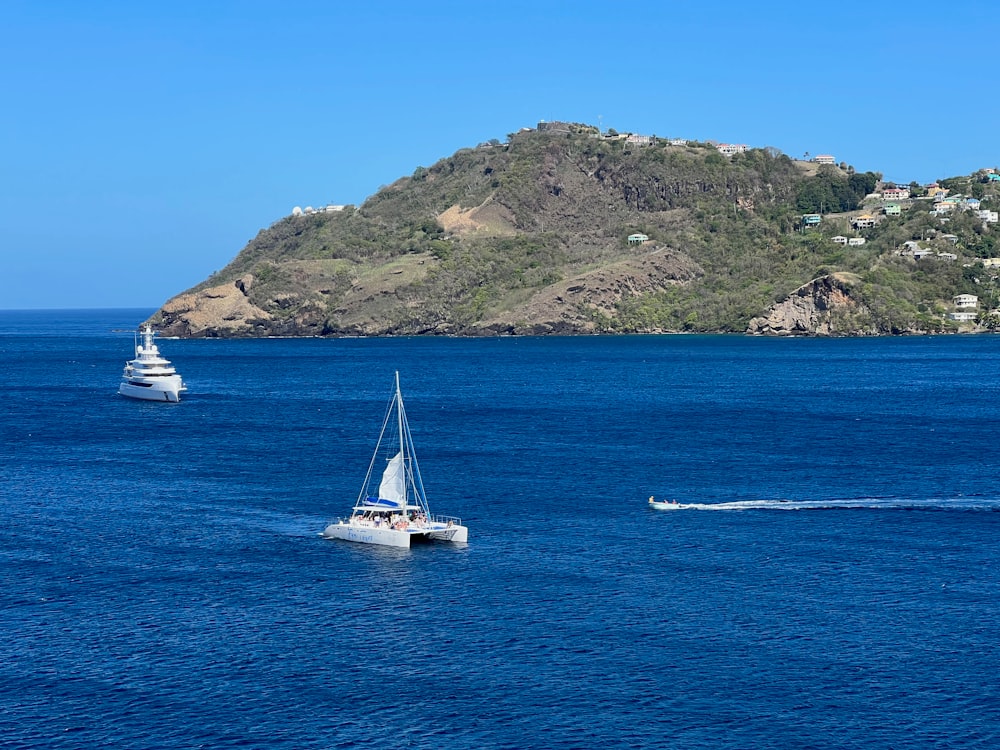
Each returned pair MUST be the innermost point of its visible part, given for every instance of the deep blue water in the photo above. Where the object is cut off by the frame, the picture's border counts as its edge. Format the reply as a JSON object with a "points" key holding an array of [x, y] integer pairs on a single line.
{"points": [[164, 586]]}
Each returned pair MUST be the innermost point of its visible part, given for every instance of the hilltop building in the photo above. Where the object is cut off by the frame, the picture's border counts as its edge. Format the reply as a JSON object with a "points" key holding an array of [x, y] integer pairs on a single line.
{"points": [[729, 149]]}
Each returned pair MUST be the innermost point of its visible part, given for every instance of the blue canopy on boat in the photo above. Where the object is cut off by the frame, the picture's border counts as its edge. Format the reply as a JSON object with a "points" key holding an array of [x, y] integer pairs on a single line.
{"points": [[380, 502]]}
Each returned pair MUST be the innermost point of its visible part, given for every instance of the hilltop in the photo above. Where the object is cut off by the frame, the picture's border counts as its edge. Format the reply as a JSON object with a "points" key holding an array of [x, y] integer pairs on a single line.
{"points": [[564, 229]]}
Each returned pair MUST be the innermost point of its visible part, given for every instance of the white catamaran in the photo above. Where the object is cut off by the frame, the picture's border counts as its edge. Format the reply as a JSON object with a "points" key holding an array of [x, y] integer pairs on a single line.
{"points": [[397, 514]]}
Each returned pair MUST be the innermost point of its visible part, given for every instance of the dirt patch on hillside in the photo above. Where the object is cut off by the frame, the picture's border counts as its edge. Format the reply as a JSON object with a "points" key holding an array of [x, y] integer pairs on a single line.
{"points": [[490, 219]]}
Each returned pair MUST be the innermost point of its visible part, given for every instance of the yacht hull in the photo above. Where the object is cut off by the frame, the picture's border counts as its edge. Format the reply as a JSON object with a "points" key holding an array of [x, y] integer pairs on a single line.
{"points": [[153, 392]]}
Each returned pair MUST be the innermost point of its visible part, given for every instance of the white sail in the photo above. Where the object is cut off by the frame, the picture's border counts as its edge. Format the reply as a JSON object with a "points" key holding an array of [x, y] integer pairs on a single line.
{"points": [[393, 486]]}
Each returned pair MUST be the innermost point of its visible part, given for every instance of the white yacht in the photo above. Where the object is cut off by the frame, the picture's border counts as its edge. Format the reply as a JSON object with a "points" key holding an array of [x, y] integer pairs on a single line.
{"points": [[149, 376]]}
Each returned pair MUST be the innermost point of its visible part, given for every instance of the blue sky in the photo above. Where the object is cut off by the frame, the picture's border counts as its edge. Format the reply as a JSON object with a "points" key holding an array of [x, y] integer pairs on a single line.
{"points": [[144, 144]]}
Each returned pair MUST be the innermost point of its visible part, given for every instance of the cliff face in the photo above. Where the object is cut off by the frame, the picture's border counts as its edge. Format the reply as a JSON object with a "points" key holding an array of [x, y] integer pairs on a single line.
{"points": [[227, 311], [533, 237], [823, 307], [222, 310]]}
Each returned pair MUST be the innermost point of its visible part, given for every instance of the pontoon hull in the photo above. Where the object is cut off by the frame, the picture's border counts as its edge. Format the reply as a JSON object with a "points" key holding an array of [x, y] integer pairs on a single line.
{"points": [[453, 533], [367, 535], [389, 537]]}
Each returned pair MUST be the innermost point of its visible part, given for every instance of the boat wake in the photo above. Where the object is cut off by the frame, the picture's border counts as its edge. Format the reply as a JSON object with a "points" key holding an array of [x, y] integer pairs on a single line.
{"points": [[979, 503]]}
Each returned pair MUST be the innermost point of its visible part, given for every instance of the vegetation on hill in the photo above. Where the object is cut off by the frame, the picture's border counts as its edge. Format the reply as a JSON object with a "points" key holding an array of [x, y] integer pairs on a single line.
{"points": [[515, 237]]}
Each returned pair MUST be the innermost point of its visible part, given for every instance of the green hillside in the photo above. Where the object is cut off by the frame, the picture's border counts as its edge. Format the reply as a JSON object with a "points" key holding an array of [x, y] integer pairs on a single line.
{"points": [[531, 236]]}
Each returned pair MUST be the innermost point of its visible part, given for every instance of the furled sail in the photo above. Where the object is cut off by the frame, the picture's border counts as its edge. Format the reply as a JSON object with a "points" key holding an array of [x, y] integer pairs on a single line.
{"points": [[393, 486]]}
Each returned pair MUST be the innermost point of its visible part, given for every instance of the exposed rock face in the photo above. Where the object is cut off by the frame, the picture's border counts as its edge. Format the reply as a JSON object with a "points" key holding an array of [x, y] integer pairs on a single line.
{"points": [[823, 307], [491, 218], [223, 310]]}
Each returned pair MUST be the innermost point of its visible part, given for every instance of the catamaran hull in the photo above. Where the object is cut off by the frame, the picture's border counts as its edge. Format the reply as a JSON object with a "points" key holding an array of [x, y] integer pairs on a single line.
{"points": [[367, 535], [453, 533], [154, 392], [388, 537]]}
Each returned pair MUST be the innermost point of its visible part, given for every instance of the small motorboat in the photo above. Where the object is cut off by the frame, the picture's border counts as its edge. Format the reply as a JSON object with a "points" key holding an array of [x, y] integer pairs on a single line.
{"points": [[668, 505]]}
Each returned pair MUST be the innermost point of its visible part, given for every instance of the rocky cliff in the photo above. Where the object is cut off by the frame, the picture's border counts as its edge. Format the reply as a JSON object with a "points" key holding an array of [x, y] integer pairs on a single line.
{"points": [[825, 306]]}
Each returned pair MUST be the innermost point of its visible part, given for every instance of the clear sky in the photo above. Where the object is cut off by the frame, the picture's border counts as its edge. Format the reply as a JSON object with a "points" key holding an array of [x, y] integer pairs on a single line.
{"points": [[143, 144]]}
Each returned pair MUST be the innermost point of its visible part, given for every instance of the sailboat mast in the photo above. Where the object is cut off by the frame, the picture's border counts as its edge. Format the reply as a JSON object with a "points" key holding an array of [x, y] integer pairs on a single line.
{"points": [[402, 439]]}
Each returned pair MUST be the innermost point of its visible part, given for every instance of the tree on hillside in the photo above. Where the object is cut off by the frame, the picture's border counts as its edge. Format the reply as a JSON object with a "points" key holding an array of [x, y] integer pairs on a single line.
{"points": [[862, 184], [830, 191]]}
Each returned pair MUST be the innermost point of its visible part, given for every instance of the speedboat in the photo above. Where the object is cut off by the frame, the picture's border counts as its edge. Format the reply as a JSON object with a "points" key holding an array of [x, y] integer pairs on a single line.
{"points": [[149, 376], [392, 511], [668, 505]]}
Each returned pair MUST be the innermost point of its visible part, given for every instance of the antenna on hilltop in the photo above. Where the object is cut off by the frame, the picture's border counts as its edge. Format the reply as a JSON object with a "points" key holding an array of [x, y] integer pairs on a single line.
{"points": [[599, 128]]}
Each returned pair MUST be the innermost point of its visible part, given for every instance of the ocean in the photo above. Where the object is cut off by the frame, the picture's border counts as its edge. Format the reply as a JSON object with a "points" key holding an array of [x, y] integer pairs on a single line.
{"points": [[165, 584]]}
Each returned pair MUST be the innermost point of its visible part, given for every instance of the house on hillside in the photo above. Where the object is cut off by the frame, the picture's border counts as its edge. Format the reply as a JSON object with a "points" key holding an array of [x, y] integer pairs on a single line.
{"points": [[864, 221], [856, 241], [728, 149], [637, 239], [912, 249], [965, 308], [824, 159], [962, 316], [639, 140], [892, 209], [811, 220], [895, 194], [840, 239]]}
